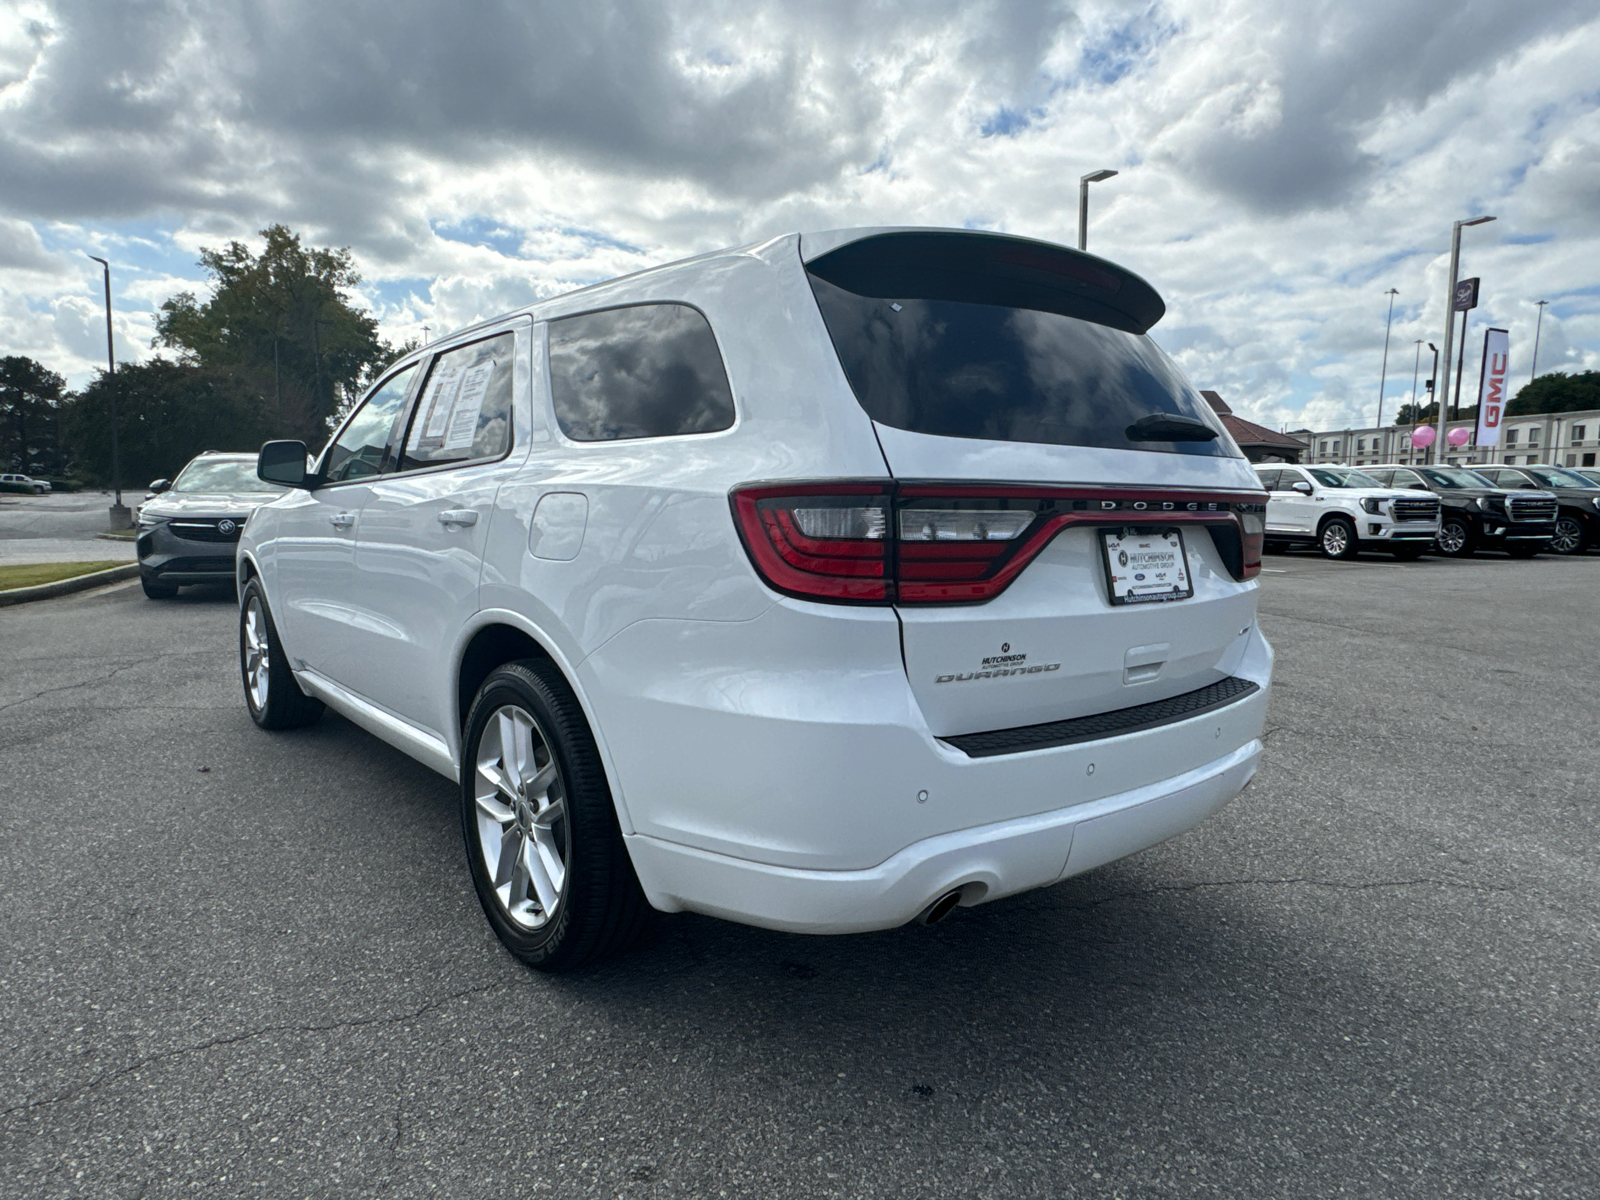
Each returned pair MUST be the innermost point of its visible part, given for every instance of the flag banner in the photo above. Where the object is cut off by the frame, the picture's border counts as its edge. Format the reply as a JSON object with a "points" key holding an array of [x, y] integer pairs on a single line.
{"points": [[1492, 396]]}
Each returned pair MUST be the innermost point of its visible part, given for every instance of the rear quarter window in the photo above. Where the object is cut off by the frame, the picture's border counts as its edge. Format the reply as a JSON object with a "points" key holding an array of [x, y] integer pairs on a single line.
{"points": [[649, 370]]}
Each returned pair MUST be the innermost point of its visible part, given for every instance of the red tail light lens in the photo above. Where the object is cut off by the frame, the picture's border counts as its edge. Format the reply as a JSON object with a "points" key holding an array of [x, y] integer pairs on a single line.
{"points": [[889, 543], [820, 541], [1253, 528]]}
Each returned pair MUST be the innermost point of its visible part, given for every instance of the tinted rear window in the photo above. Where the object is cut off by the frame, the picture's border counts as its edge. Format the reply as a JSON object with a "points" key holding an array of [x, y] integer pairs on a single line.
{"points": [[651, 370], [1014, 373]]}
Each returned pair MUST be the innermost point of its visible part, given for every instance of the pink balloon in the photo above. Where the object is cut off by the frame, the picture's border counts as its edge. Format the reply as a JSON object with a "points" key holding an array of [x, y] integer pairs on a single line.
{"points": [[1459, 437], [1424, 436]]}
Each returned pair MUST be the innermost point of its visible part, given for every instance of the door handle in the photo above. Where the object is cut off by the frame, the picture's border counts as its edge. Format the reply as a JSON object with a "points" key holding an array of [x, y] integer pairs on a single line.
{"points": [[342, 520], [458, 516]]}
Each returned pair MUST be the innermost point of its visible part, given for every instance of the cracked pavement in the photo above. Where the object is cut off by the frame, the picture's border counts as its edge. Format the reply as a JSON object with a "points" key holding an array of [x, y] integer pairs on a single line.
{"points": [[239, 963]]}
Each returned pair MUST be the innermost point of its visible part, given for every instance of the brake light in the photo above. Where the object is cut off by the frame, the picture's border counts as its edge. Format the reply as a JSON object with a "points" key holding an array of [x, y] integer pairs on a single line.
{"points": [[819, 541], [889, 543]]}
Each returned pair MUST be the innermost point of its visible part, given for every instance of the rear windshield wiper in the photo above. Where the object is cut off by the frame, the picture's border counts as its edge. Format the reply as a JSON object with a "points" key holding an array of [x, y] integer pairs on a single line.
{"points": [[1169, 427]]}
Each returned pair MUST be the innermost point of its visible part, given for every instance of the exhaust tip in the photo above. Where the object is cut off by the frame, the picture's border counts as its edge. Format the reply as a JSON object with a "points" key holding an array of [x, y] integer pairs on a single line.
{"points": [[941, 908]]}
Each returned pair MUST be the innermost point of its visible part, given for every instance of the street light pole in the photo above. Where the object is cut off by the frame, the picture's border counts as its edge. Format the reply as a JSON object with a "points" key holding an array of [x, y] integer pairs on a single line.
{"points": [[1383, 379], [120, 517], [1083, 204], [1537, 329], [1450, 329]]}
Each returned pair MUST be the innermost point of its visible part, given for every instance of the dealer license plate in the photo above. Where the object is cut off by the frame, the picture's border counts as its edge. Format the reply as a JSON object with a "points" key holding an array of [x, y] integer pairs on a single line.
{"points": [[1144, 568]]}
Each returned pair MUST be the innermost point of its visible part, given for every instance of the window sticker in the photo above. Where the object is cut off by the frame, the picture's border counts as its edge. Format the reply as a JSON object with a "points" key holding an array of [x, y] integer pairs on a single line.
{"points": [[442, 392], [463, 427]]}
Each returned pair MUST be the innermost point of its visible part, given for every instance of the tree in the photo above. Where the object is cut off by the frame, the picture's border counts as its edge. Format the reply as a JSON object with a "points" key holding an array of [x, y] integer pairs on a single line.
{"points": [[1557, 392], [282, 324], [167, 413], [30, 412]]}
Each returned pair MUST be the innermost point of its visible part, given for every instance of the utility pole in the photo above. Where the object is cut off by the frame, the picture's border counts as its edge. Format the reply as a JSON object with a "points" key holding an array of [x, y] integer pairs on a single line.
{"points": [[1083, 204], [1450, 319], [121, 518], [1416, 370], [1461, 357], [1383, 379], [1537, 329]]}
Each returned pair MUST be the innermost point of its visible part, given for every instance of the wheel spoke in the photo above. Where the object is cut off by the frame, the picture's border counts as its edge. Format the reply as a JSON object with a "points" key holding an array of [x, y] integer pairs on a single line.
{"points": [[520, 874], [510, 852], [491, 807], [542, 779], [547, 816], [546, 872], [510, 748], [492, 774]]}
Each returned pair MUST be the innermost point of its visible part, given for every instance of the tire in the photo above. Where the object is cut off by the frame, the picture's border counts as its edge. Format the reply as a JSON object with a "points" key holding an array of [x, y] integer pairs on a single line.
{"points": [[270, 691], [1338, 539], [1407, 551], [1525, 549], [157, 591], [520, 825], [1571, 536], [1456, 539]]}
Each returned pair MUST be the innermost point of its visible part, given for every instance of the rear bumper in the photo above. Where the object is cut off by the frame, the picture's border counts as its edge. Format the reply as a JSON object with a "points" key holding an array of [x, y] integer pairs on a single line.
{"points": [[986, 863]]}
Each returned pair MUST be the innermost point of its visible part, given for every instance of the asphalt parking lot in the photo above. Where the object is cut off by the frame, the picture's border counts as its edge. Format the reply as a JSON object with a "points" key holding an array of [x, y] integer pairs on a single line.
{"points": [[249, 964]]}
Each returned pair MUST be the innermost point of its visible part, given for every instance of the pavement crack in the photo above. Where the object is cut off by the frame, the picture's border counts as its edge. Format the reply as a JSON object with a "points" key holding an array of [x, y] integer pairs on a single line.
{"points": [[251, 1034], [68, 687]]}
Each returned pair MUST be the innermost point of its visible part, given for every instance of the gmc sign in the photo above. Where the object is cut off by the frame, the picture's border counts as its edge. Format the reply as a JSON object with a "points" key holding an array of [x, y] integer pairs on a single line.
{"points": [[1492, 386]]}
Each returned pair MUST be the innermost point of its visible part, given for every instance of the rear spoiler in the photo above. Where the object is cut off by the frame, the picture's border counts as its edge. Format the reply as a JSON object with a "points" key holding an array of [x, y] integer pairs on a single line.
{"points": [[983, 268]]}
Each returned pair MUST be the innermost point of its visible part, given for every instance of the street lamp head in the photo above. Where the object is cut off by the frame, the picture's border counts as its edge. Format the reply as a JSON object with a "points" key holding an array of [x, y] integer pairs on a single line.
{"points": [[1096, 176], [99, 260], [1477, 221]]}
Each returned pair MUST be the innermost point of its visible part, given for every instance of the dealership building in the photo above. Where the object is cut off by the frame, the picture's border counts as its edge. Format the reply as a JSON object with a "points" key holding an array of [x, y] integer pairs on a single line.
{"points": [[1569, 439]]}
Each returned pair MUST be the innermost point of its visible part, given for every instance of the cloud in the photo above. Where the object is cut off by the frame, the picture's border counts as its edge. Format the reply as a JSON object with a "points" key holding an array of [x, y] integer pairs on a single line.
{"points": [[1281, 166]]}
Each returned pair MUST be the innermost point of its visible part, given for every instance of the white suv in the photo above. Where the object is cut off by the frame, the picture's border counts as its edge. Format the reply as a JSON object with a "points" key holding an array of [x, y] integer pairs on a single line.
{"points": [[822, 584], [1342, 512]]}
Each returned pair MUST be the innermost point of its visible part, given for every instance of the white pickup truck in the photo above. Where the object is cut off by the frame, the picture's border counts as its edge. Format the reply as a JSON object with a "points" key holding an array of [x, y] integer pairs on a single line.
{"points": [[1343, 511]]}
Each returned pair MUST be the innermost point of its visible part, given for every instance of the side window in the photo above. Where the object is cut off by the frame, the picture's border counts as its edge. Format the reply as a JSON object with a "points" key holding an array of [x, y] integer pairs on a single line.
{"points": [[360, 448], [1387, 478], [1269, 479], [464, 413], [652, 370], [1405, 479]]}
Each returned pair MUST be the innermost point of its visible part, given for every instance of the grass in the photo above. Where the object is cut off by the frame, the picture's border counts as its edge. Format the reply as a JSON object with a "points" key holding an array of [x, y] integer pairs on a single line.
{"points": [[34, 574]]}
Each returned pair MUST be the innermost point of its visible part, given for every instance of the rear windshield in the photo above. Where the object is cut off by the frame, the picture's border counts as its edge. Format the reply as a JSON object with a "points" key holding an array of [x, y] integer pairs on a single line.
{"points": [[1013, 373]]}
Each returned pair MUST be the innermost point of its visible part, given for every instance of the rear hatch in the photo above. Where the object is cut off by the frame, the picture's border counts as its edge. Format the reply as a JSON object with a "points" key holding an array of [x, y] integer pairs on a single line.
{"points": [[1056, 478]]}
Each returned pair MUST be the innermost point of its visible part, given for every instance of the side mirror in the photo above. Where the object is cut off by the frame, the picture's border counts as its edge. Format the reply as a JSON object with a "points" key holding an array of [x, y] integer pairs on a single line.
{"points": [[284, 463], [157, 486], [1301, 486]]}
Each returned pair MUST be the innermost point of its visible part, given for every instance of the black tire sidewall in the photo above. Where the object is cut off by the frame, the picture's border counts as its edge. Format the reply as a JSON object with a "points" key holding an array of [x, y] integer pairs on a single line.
{"points": [[569, 939], [287, 707]]}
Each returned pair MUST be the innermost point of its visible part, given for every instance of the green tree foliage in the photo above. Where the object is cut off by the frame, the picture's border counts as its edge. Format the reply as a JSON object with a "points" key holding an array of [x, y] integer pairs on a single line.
{"points": [[167, 412], [30, 418], [1557, 392], [282, 325]]}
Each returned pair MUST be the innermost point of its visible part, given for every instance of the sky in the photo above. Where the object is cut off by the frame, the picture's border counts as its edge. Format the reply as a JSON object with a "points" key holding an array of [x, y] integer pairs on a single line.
{"points": [[1281, 166]]}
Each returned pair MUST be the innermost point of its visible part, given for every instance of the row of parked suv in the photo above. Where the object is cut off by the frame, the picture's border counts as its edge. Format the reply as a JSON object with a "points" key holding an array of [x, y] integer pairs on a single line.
{"points": [[1454, 511]]}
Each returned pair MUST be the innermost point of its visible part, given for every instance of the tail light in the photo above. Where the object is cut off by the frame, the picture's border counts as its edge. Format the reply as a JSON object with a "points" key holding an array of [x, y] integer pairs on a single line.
{"points": [[889, 543]]}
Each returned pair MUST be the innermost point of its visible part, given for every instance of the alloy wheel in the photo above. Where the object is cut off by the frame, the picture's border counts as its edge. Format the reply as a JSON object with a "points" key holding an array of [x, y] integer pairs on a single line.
{"points": [[1335, 541], [523, 832], [257, 653], [1569, 536], [1452, 538]]}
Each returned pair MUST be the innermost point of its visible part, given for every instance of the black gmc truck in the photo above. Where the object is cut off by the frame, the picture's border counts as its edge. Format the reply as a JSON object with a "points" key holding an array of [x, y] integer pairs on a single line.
{"points": [[1578, 525], [1475, 514]]}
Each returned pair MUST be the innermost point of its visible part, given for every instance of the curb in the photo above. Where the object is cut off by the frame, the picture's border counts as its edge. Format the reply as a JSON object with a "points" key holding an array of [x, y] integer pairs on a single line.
{"points": [[65, 587]]}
